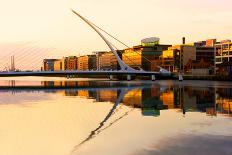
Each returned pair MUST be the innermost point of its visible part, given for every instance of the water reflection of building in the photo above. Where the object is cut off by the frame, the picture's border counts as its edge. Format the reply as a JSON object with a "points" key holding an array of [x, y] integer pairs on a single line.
{"points": [[150, 100], [133, 98], [168, 99], [224, 101], [225, 107], [209, 100], [198, 98], [83, 93], [107, 96], [211, 111]]}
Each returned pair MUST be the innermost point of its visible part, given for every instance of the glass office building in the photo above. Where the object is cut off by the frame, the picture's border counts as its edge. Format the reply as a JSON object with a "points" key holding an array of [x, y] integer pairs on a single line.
{"points": [[142, 56]]}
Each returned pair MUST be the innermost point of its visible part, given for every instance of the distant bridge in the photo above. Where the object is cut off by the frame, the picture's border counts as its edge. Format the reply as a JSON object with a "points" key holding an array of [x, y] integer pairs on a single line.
{"points": [[125, 70]]}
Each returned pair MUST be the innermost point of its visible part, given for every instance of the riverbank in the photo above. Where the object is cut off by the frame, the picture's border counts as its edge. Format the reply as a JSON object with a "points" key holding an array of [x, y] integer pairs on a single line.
{"points": [[205, 77]]}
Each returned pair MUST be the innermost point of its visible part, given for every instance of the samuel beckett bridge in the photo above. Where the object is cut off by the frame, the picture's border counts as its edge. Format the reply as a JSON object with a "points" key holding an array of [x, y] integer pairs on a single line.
{"points": [[124, 71]]}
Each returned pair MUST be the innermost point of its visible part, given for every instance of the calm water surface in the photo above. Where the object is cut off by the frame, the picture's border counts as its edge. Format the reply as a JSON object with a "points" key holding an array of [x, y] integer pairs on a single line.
{"points": [[56, 116]]}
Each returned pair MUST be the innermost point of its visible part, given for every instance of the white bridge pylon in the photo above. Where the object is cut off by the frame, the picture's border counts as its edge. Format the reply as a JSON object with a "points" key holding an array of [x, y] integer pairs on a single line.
{"points": [[123, 66]]}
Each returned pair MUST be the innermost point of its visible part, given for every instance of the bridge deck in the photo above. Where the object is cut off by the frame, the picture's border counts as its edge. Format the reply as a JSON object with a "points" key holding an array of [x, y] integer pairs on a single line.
{"points": [[83, 73]]}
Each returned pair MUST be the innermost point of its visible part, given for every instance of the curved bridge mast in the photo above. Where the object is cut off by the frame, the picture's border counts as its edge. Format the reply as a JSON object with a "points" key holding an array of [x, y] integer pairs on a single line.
{"points": [[123, 66]]}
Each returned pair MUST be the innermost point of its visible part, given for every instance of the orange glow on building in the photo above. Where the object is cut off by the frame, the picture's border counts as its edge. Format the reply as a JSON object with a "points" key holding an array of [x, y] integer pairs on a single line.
{"points": [[168, 99], [83, 93], [133, 98]]}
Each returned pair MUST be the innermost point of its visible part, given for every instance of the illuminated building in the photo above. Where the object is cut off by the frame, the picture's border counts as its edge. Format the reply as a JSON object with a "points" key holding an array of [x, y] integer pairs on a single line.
{"points": [[206, 43], [197, 58], [87, 62], [168, 60], [144, 55], [176, 57], [98, 55], [108, 61], [223, 52], [83, 63], [52, 64], [132, 57], [70, 63], [58, 65], [210, 42], [105, 60]]}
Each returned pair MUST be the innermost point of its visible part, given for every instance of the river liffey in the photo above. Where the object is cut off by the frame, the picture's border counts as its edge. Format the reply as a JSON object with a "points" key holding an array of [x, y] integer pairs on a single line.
{"points": [[56, 116]]}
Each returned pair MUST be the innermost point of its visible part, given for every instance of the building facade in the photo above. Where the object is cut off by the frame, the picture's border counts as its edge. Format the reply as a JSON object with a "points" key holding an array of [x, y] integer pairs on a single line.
{"points": [[87, 62], [223, 52], [190, 58], [168, 60], [108, 61], [92, 62], [176, 58], [98, 55], [52, 64], [83, 63], [143, 56], [205, 53], [70, 63], [58, 65]]}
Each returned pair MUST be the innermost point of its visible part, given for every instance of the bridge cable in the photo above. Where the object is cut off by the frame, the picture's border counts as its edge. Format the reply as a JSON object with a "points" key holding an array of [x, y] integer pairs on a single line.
{"points": [[119, 41], [124, 55]]}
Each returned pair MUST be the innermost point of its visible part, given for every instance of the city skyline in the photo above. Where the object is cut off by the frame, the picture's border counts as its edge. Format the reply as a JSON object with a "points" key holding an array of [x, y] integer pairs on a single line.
{"points": [[56, 32], [116, 77]]}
